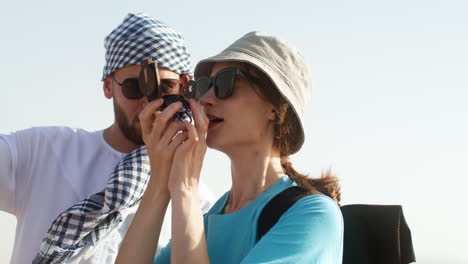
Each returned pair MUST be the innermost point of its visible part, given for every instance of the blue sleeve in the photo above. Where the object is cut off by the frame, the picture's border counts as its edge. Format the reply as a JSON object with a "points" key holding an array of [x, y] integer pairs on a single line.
{"points": [[164, 256], [311, 231]]}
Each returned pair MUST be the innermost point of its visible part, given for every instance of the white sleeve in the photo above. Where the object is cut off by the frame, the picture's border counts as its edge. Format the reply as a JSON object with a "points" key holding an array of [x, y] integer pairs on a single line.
{"points": [[206, 197], [7, 178]]}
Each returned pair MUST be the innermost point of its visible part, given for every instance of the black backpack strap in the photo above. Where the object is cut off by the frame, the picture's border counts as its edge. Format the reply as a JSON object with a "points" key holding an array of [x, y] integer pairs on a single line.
{"points": [[277, 206]]}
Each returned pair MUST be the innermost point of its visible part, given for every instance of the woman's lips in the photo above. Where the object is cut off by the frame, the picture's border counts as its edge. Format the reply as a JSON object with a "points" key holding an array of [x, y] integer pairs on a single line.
{"points": [[214, 121], [213, 124]]}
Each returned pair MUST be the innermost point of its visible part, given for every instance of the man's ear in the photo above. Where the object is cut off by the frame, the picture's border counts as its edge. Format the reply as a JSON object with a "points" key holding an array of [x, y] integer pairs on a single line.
{"points": [[184, 79], [107, 87]]}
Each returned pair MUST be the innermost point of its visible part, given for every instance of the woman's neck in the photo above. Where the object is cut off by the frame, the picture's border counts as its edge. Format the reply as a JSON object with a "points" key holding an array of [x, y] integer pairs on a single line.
{"points": [[252, 173]]}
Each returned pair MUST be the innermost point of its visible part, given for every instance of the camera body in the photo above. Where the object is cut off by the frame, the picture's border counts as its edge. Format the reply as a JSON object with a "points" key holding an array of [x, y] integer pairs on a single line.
{"points": [[184, 114]]}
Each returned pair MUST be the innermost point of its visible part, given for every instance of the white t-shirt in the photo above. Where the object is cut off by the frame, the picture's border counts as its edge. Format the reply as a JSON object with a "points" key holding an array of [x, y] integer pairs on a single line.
{"points": [[46, 170]]}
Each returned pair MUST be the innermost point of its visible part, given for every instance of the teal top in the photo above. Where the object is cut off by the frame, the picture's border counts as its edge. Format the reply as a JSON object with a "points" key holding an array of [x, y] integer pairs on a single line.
{"points": [[310, 231]]}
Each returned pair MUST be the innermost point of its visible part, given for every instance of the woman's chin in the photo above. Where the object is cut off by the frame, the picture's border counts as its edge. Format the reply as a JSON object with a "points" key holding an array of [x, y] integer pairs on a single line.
{"points": [[211, 143], [214, 143]]}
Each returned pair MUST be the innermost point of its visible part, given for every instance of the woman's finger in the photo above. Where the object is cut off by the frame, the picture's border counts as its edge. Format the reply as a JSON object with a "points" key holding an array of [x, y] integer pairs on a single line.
{"points": [[201, 120], [163, 118], [178, 139], [146, 115], [170, 132], [192, 135]]}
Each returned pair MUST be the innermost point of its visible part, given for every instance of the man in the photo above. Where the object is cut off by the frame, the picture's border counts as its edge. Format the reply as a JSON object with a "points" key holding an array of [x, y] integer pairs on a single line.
{"points": [[46, 170]]}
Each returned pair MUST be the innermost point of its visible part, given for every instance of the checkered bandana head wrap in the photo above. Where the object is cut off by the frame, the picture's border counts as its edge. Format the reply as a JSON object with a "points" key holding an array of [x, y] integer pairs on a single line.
{"points": [[140, 37]]}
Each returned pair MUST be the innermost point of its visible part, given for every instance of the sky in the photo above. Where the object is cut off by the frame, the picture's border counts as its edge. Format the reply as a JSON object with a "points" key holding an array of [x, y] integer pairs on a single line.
{"points": [[388, 113]]}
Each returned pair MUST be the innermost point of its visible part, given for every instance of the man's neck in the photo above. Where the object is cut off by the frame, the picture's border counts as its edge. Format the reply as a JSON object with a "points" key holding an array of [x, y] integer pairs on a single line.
{"points": [[117, 140]]}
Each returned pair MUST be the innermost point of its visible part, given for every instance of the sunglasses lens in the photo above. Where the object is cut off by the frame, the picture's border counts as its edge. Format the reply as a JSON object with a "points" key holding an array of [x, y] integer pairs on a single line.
{"points": [[169, 86], [202, 85], [224, 84], [130, 89]]}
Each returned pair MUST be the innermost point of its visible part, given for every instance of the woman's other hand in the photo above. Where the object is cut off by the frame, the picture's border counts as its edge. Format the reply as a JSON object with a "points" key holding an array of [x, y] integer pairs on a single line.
{"points": [[188, 243], [189, 155]]}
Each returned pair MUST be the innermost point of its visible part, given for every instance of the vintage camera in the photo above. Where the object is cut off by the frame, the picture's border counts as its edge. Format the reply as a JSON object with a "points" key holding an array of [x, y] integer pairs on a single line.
{"points": [[152, 86]]}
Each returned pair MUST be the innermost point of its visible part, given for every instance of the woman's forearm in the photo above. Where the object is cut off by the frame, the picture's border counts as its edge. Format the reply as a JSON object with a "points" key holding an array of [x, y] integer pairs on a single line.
{"points": [[188, 244], [141, 240]]}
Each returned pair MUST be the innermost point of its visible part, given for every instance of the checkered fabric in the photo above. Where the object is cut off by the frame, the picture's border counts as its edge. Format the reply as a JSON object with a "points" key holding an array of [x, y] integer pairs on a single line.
{"points": [[84, 223], [140, 37]]}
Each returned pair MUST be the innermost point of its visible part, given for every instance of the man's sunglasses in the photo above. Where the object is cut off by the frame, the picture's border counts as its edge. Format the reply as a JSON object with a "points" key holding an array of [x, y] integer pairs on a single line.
{"points": [[223, 83], [147, 84]]}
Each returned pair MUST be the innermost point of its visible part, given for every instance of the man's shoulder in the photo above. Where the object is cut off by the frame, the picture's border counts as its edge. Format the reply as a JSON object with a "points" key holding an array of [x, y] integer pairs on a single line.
{"points": [[53, 138], [64, 130], [56, 132]]}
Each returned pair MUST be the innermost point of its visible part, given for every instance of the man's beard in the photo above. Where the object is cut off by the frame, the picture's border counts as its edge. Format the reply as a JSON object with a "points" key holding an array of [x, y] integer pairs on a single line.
{"points": [[132, 133]]}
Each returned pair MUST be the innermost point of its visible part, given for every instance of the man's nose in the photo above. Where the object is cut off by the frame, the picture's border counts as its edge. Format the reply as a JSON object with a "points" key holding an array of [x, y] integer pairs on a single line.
{"points": [[143, 101]]}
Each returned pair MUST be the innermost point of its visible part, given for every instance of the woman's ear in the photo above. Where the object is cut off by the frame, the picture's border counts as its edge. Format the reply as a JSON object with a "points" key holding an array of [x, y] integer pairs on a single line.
{"points": [[107, 87], [184, 79], [272, 115]]}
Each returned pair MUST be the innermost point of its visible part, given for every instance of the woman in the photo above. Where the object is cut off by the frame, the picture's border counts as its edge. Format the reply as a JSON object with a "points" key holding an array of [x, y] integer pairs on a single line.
{"points": [[252, 99]]}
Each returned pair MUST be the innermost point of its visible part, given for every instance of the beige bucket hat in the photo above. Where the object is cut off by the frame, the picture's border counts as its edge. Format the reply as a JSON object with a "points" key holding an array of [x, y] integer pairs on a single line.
{"points": [[280, 61]]}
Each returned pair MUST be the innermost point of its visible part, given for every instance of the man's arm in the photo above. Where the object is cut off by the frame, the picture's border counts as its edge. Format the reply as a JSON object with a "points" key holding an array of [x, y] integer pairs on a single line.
{"points": [[7, 178]]}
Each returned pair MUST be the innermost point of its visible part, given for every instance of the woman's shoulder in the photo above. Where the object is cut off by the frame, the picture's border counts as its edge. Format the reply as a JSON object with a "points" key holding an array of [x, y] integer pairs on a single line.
{"points": [[311, 229], [316, 207]]}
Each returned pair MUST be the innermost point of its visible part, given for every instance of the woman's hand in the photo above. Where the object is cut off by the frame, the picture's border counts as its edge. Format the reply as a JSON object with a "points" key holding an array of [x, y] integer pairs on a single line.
{"points": [[188, 235], [161, 136], [189, 155]]}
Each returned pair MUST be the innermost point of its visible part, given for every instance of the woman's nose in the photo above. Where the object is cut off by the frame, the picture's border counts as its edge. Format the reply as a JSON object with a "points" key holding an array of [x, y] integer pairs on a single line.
{"points": [[208, 98]]}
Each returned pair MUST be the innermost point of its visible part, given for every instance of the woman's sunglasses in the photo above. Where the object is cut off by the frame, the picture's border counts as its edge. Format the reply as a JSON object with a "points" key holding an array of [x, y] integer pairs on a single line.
{"points": [[147, 84], [222, 82]]}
